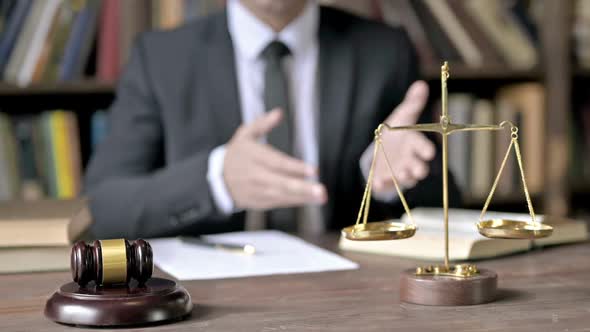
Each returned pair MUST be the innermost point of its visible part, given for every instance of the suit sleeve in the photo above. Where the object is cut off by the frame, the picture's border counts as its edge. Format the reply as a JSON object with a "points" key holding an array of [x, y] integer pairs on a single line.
{"points": [[130, 193]]}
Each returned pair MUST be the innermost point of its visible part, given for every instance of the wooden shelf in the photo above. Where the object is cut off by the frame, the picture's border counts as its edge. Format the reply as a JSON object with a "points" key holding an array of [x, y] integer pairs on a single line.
{"points": [[462, 72], [431, 73], [65, 89]]}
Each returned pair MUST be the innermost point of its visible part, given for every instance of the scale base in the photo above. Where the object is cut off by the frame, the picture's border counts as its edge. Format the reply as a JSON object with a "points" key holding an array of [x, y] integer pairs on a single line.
{"points": [[448, 290], [159, 300]]}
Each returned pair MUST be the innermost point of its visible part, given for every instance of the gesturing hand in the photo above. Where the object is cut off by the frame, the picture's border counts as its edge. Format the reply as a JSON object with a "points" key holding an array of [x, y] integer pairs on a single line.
{"points": [[408, 151], [260, 177]]}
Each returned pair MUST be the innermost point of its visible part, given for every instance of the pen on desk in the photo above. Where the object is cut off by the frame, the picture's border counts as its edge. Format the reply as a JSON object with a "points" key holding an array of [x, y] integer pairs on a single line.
{"points": [[247, 249]]}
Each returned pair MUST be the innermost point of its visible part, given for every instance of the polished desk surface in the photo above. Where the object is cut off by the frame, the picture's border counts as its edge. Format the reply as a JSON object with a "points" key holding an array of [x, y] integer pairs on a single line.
{"points": [[544, 290]]}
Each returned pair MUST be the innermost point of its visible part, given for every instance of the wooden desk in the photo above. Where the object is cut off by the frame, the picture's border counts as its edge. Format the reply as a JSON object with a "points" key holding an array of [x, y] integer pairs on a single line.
{"points": [[546, 290]]}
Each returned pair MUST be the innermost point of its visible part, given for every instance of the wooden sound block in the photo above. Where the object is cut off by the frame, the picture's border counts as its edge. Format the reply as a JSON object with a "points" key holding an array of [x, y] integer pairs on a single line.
{"points": [[445, 290], [158, 300]]}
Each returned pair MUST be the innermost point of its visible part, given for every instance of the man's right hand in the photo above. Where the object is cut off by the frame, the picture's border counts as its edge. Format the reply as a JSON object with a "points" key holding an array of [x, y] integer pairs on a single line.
{"points": [[260, 177]]}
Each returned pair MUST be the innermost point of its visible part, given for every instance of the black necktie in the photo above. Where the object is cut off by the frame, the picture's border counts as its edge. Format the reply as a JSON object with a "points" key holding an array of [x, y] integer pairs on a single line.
{"points": [[276, 94]]}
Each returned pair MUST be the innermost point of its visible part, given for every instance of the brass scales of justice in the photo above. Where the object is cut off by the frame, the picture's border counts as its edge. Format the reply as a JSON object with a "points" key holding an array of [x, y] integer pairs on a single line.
{"points": [[446, 284]]}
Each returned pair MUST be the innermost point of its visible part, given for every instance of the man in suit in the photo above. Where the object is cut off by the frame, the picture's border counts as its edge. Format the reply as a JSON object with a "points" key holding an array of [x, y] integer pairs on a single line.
{"points": [[264, 112]]}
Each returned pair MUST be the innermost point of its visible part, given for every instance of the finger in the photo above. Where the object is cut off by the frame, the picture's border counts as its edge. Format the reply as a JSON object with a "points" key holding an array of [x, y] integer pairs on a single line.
{"points": [[408, 180], [287, 190], [292, 200], [417, 169], [381, 184], [281, 162], [297, 190], [409, 110], [424, 148], [405, 178], [263, 125]]}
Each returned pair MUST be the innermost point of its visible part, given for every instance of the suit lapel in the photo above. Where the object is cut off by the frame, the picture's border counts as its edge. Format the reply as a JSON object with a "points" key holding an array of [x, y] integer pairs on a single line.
{"points": [[221, 79], [336, 68]]}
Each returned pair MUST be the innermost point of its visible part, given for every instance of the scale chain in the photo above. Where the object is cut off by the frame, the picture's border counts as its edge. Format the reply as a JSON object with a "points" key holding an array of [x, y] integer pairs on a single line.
{"points": [[513, 143], [397, 188], [364, 208]]}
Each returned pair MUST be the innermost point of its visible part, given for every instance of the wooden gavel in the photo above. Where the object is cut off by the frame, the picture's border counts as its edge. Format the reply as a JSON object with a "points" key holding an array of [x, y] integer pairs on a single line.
{"points": [[109, 262]]}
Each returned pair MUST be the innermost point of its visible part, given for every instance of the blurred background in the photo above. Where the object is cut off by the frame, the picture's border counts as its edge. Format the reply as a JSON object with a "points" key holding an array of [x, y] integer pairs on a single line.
{"points": [[523, 61]]}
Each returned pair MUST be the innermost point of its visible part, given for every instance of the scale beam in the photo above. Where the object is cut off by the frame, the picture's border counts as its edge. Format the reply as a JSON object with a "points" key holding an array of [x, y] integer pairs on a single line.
{"points": [[447, 129]]}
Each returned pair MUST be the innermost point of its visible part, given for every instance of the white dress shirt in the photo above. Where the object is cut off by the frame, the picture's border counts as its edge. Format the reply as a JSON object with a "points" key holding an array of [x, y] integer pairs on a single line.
{"points": [[250, 36]]}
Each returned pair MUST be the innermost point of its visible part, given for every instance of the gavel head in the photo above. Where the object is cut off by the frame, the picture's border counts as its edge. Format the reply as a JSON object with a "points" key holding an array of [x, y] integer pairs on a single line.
{"points": [[109, 262]]}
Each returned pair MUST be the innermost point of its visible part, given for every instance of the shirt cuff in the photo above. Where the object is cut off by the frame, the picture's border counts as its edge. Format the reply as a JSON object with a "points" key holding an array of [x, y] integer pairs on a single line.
{"points": [[221, 197], [389, 196]]}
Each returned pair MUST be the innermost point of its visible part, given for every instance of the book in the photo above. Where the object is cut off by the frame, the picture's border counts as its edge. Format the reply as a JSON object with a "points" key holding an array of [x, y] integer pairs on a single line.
{"points": [[66, 153], [30, 182], [459, 107], [42, 223], [501, 28], [23, 40], [107, 59], [47, 152], [98, 128], [34, 259], [482, 151], [528, 100], [74, 154], [6, 8], [40, 21], [134, 19], [47, 47], [170, 13], [401, 13], [80, 41], [36, 236], [491, 56], [506, 183], [58, 39], [456, 33], [465, 243], [438, 38], [519, 11], [9, 170], [12, 29], [60, 153]]}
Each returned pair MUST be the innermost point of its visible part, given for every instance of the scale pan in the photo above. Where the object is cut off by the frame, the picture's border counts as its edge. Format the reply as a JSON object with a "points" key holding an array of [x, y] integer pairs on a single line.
{"points": [[512, 229], [382, 230]]}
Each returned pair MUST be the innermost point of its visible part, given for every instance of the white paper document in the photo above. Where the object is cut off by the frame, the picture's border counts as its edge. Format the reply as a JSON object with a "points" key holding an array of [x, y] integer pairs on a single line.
{"points": [[276, 253]]}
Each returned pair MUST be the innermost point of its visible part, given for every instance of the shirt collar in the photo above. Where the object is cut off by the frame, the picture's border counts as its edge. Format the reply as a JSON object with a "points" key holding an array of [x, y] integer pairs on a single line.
{"points": [[250, 35]]}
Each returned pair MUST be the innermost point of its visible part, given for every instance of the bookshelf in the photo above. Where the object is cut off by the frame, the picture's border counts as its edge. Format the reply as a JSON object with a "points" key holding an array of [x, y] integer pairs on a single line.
{"points": [[556, 72]]}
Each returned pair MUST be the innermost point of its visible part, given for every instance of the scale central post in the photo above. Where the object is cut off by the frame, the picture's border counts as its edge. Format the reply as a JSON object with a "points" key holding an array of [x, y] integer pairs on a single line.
{"points": [[444, 121]]}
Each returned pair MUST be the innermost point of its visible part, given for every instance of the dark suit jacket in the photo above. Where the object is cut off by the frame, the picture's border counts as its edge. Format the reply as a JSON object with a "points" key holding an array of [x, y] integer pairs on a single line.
{"points": [[178, 99]]}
